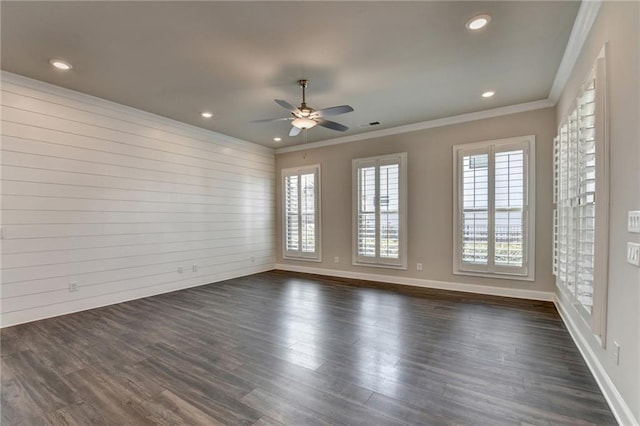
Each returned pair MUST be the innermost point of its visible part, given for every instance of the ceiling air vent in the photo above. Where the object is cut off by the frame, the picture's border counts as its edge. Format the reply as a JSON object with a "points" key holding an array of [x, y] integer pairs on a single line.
{"points": [[373, 123]]}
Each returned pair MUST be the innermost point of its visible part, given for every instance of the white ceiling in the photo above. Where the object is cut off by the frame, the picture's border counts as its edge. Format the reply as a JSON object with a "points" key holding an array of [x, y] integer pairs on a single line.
{"points": [[394, 62]]}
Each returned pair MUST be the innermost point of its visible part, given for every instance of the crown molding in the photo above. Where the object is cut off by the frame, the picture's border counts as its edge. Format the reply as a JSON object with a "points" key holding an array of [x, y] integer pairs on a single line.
{"points": [[456, 119], [581, 27]]}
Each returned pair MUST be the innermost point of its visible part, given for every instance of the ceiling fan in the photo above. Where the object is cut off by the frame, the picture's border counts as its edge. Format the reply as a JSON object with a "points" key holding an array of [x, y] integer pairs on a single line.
{"points": [[304, 117]]}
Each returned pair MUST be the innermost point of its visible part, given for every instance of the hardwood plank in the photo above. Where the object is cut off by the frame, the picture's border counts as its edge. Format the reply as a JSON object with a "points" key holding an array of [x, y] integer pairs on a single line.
{"points": [[338, 407], [273, 373], [428, 409], [187, 412], [18, 407], [267, 421], [386, 385], [79, 414], [206, 393], [109, 398], [47, 389], [404, 413], [281, 348], [283, 411], [531, 411]]}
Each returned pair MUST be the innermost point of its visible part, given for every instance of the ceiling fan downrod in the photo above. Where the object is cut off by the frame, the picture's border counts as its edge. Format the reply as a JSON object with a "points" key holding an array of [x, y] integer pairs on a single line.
{"points": [[304, 109]]}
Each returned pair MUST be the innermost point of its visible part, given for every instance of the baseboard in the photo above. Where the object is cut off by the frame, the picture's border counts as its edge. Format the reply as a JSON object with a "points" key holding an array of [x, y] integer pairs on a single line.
{"points": [[620, 409], [418, 282]]}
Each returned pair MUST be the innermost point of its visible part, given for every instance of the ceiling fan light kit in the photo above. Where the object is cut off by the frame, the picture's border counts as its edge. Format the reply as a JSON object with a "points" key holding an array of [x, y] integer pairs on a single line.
{"points": [[303, 123], [304, 117]]}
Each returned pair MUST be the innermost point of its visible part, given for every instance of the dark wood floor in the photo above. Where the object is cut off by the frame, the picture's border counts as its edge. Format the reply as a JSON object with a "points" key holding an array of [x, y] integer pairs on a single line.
{"points": [[283, 348]]}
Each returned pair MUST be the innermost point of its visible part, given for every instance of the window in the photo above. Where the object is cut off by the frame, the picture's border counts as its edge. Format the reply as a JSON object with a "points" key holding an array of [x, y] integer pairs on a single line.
{"points": [[301, 208], [380, 206], [580, 240], [494, 208]]}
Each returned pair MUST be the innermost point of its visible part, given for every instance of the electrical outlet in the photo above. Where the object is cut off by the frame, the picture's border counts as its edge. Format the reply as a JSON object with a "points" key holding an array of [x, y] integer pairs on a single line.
{"points": [[633, 253], [633, 224], [180, 270], [73, 286], [253, 259], [194, 268], [616, 353], [419, 266], [336, 259]]}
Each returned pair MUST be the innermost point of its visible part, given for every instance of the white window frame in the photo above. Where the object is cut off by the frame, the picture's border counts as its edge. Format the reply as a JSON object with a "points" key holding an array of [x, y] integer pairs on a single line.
{"points": [[315, 256], [377, 260], [527, 271]]}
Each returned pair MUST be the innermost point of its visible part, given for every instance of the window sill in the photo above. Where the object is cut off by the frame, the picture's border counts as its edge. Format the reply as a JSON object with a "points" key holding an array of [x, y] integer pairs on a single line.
{"points": [[304, 259], [380, 265], [502, 276]]}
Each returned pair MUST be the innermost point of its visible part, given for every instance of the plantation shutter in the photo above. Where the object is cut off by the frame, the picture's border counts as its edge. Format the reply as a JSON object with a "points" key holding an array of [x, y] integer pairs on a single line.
{"points": [[301, 214], [292, 226], [493, 208], [389, 204], [379, 212], [367, 212], [475, 210], [510, 218], [575, 198]]}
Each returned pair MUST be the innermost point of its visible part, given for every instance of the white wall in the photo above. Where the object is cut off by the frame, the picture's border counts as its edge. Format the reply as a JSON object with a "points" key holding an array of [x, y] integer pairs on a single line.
{"points": [[617, 25], [117, 199]]}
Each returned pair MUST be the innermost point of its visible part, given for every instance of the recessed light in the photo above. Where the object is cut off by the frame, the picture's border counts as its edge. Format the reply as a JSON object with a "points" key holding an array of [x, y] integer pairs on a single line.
{"points": [[206, 114], [277, 139], [60, 64], [478, 22], [488, 94]]}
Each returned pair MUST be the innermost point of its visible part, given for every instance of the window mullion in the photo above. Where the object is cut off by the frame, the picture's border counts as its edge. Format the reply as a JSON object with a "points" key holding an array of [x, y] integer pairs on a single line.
{"points": [[299, 214], [491, 210], [525, 208], [460, 213], [376, 206], [316, 208]]}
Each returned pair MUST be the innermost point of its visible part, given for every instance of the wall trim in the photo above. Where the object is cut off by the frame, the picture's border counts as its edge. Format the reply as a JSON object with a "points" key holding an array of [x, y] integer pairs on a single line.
{"points": [[441, 122], [620, 409], [419, 282], [581, 27]]}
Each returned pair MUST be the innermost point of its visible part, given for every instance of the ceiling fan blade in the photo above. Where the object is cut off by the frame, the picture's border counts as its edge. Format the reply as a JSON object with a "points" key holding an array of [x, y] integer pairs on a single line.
{"points": [[336, 110], [332, 125], [266, 120], [286, 105], [294, 131]]}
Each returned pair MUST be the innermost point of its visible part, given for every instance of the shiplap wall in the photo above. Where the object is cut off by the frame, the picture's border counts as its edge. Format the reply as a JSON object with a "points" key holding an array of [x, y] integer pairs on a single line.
{"points": [[118, 200]]}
